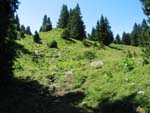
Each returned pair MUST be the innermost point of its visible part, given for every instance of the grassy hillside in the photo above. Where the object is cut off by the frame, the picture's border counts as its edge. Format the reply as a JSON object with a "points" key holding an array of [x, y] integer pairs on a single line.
{"points": [[106, 80]]}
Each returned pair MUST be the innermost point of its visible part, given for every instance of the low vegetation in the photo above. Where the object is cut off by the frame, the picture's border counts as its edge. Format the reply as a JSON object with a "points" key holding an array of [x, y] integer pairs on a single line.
{"points": [[66, 69]]}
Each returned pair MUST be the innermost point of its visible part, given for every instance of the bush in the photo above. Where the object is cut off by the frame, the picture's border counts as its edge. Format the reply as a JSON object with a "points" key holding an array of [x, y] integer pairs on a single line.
{"points": [[146, 55], [129, 64], [53, 44], [65, 34], [37, 38], [86, 43], [89, 55]]}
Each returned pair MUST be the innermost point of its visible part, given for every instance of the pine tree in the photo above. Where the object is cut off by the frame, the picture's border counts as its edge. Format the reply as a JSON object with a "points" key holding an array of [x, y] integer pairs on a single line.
{"points": [[146, 6], [98, 32], [47, 24], [118, 39], [17, 22], [28, 31], [135, 35], [144, 28], [93, 35], [7, 38], [126, 38], [76, 25], [23, 29], [146, 50], [106, 35], [37, 38], [64, 16]]}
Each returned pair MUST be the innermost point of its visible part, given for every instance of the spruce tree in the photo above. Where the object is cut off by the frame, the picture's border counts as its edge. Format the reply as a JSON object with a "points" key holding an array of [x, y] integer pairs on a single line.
{"points": [[98, 32], [135, 35], [37, 38], [126, 38], [17, 21], [47, 24], [64, 16], [118, 39], [23, 29], [93, 35], [28, 31], [106, 35], [146, 6], [76, 25], [7, 38], [146, 50]]}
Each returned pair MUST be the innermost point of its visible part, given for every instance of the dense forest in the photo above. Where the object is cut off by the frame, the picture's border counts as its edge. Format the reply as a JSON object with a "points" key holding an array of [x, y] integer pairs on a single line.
{"points": [[66, 69]]}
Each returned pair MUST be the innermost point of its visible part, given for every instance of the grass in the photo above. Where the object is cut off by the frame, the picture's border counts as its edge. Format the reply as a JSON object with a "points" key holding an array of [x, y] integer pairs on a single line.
{"points": [[105, 88]]}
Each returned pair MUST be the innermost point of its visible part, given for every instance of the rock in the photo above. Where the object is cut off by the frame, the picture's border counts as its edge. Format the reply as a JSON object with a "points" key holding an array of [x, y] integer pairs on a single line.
{"points": [[140, 92], [97, 64], [68, 76]]}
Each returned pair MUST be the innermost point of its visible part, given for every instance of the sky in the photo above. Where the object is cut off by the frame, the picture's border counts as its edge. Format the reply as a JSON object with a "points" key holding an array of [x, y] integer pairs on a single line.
{"points": [[122, 14]]}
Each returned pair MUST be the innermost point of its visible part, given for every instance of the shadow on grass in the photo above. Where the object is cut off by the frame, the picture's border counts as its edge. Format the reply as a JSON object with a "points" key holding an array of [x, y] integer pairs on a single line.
{"points": [[69, 40], [24, 96], [114, 47], [127, 104]]}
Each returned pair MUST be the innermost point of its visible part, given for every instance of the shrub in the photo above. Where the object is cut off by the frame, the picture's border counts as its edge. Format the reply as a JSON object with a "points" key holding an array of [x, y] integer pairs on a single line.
{"points": [[53, 44], [65, 34], [86, 43], [129, 63], [89, 55], [37, 38], [146, 55]]}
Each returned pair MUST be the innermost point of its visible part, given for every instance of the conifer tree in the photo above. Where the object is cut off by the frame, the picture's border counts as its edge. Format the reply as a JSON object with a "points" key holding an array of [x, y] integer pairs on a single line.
{"points": [[98, 32], [146, 6], [17, 21], [118, 39], [23, 29], [76, 25], [47, 24], [37, 38], [135, 35], [93, 35], [28, 31], [64, 16], [106, 35], [7, 38], [126, 38]]}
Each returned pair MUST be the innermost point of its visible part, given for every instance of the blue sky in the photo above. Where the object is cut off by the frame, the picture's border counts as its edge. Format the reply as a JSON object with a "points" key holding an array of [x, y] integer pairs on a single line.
{"points": [[122, 14]]}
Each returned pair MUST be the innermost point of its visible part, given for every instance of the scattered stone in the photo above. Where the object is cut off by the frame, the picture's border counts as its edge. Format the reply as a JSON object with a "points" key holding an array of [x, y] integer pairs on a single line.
{"points": [[36, 53], [68, 76], [97, 64], [140, 92]]}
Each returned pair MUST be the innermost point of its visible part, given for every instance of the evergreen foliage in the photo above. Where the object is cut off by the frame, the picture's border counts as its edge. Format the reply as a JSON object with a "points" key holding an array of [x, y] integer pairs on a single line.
{"points": [[23, 29], [92, 36], [102, 32], [126, 38], [28, 31], [53, 44], [146, 50], [64, 16], [118, 39], [146, 6], [47, 24], [135, 35], [76, 25], [17, 22], [7, 38], [37, 38], [65, 34]]}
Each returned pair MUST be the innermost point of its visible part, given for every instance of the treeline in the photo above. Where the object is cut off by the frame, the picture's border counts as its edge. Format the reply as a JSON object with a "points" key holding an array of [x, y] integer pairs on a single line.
{"points": [[138, 37], [102, 32], [70, 20]]}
